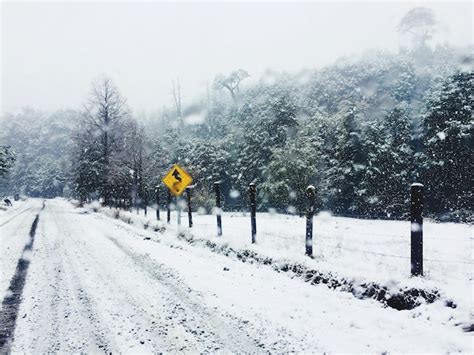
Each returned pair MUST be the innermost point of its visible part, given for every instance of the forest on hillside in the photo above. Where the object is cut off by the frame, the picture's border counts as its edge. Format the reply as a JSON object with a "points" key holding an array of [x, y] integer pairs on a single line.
{"points": [[361, 131]]}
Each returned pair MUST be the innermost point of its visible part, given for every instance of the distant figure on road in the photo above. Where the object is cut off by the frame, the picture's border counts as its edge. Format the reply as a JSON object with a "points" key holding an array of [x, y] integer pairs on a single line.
{"points": [[7, 202]]}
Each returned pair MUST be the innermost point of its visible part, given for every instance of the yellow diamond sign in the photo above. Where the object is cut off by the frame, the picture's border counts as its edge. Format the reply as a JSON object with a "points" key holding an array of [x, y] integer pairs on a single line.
{"points": [[177, 179]]}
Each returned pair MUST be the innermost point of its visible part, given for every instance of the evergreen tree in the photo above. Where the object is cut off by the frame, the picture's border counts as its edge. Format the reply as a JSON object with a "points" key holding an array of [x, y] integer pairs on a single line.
{"points": [[7, 158], [348, 166], [448, 141]]}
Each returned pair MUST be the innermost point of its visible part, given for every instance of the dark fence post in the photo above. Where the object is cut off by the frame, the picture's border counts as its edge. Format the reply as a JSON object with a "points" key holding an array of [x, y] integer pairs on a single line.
{"points": [[416, 229], [217, 189], [311, 193], [168, 208], [190, 213], [137, 202], [157, 200], [145, 199], [253, 210]]}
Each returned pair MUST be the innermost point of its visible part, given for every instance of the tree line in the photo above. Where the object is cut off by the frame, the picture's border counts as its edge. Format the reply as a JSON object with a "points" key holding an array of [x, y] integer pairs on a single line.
{"points": [[361, 131]]}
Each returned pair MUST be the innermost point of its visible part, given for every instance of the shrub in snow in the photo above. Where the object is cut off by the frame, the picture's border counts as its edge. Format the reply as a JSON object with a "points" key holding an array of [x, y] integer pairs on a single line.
{"points": [[157, 227], [75, 203], [115, 213], [126, 217], [95, 206]]}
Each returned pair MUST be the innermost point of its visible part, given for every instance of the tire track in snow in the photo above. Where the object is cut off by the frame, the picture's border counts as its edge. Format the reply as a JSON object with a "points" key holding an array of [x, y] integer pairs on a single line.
{"points": [[231, 334], [15, 216], [13, 238], [174, 322], [60, 315], [131, 305], [79, 300], [232, 331], [11, 302]]}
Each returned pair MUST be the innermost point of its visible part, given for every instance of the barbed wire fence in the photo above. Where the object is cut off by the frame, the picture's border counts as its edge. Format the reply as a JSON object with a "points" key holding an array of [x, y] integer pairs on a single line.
{"points": [[325, 237]]}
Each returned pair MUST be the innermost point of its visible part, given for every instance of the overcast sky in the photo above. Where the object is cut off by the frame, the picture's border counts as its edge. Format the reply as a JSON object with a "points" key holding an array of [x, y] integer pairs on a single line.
{"points": [[52, 51]]}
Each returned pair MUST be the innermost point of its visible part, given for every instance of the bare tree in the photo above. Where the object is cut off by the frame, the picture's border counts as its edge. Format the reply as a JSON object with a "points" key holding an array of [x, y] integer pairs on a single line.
{"points": [[103, 114], [419, 22], [231, 82], [7, 158], [137, 155], [209, 109], [177, 101]]}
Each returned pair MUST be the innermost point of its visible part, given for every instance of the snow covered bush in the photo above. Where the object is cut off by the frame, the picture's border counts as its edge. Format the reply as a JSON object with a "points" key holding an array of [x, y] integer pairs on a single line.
{"points": [[95, 206]]}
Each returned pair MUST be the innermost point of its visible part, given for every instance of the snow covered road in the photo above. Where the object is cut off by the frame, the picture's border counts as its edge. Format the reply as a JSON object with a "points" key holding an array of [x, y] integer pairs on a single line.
{"points": [[95, 284], [14, 231]]}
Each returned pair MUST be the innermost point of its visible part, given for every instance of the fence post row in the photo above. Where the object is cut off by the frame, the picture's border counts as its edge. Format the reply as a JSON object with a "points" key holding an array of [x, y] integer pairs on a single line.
{"points": [[416, 209], [217, 189], [311, 193], [416, 229], [157, 200], [168, 208], [253, 210], [190, 214]]}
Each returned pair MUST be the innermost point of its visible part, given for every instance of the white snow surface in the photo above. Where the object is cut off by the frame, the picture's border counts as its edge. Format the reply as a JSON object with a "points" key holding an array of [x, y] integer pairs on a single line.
{"points": [[15, 223], [357, 249], [96, 283]]}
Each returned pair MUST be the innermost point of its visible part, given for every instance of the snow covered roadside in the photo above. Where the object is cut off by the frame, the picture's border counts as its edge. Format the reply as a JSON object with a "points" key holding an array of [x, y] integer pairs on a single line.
{"points": [[282, 242], [15, 224], [10, 210], [280, 313]]}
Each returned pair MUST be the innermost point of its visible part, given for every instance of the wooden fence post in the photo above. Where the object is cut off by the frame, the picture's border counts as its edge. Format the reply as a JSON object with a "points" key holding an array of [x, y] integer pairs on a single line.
{"points": [[217, 189], [311, 193], [190, 214], [168, 208], [253, 211], [145, 199], [417, 229]]}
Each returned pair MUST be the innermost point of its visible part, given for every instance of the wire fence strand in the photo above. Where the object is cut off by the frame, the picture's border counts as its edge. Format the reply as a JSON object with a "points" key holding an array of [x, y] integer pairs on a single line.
{"points": [[336, 233]]}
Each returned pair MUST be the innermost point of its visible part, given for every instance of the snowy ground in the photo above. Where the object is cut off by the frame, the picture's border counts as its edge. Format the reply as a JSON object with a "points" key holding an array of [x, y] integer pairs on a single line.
{"points": [[95, 283], [15, 224], [363, 250]]}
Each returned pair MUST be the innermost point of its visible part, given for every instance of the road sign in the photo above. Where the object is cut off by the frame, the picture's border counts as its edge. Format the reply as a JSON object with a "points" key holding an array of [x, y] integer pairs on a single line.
{"points": [[177, 179]]}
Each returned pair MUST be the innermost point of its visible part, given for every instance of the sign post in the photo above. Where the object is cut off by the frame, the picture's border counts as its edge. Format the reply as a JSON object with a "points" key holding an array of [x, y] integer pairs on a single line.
{"points": [[157, 200], [178, 209], [176, 180], [168, 208]]}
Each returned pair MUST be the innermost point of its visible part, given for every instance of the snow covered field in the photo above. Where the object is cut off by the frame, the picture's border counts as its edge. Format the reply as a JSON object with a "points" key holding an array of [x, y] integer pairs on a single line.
{"points": [[373, 250], [95, 283]]}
